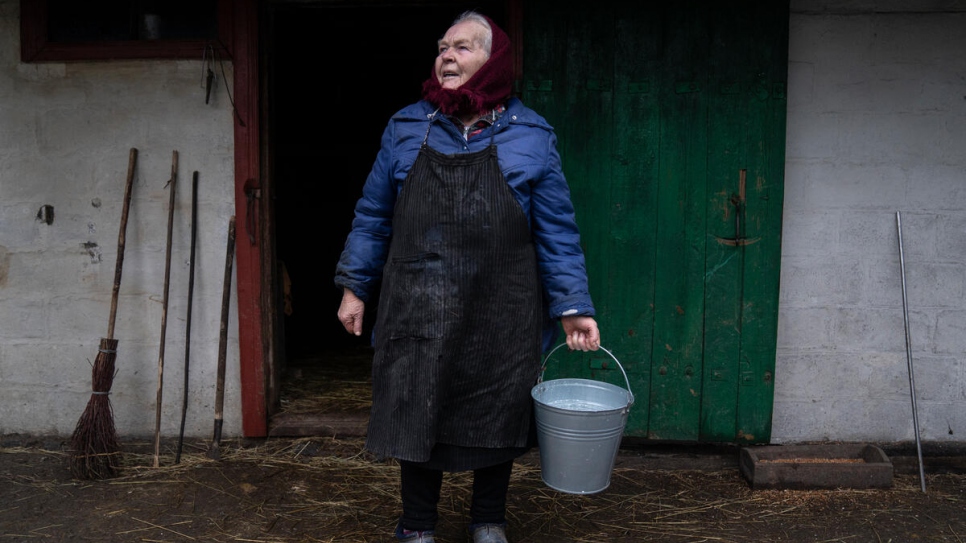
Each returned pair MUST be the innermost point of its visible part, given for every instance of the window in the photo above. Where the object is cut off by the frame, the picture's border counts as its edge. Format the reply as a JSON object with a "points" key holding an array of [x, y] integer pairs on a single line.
{"points": [[64, 30]]}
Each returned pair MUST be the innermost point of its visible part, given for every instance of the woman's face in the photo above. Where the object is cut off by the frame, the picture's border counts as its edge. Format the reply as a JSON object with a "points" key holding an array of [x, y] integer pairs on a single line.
{"points": [[461, 54]]}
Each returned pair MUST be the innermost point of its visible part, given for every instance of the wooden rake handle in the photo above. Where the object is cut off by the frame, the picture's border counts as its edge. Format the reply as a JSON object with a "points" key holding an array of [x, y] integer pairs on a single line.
{"points": [[223, 335]]}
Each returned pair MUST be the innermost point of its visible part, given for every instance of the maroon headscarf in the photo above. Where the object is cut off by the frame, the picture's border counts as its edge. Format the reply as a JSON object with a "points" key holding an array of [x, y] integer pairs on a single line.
{"points": [[490, 86]]}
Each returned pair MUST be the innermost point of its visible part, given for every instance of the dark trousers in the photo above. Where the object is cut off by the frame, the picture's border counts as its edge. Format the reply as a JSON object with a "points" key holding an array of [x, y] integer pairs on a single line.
{"points": [[421, 488]]}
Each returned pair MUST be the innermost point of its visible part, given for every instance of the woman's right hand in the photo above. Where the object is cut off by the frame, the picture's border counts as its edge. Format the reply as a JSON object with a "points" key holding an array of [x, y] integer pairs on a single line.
{"points": [[582, 332], [351, 311]]}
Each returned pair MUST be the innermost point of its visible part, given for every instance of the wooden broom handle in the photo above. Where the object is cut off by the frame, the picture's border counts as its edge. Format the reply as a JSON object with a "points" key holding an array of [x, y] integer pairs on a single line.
{"points": [[131, 163]]}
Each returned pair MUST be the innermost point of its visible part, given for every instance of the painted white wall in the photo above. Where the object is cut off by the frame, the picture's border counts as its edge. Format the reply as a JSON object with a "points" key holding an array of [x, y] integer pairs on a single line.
{"points": [[65, 134], [876, 125]]}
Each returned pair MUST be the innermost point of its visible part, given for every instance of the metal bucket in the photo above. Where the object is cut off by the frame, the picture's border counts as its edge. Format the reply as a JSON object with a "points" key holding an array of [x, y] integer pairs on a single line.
{"points": [[579, 427]]}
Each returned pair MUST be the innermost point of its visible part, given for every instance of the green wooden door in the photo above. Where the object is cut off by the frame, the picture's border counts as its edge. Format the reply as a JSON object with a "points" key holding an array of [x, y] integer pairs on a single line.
{"points": [[671, 121]]}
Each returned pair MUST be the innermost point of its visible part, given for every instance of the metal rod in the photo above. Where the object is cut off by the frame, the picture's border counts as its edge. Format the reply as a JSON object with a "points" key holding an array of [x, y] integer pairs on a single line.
{"points": [[912, 379]]}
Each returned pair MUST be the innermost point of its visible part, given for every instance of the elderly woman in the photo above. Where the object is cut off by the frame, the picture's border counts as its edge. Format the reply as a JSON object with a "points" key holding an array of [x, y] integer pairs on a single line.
{"points": [[466, 230]]}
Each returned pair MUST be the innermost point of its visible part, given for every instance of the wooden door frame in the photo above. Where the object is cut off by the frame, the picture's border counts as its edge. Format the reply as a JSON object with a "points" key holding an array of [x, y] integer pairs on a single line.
{"points": [[249, 269], [253, 247]]}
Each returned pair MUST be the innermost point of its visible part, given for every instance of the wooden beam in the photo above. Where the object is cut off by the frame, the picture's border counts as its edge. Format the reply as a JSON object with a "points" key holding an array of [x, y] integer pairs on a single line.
{"points": [[249, 242]]}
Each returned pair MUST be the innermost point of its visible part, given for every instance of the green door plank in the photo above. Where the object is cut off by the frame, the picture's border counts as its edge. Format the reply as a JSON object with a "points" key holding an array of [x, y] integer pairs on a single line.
{"points": [[732, 130], [678, 300], [742, 301], [764, 220], [582, 92], [631, 252]]}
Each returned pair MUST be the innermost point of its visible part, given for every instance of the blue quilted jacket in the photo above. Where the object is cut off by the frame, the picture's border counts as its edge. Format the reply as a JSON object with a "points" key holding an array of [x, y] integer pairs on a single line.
{"points": [[527, 153]]}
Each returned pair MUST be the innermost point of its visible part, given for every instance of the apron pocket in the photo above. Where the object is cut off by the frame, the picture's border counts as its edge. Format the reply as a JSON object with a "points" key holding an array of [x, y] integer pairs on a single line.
{"points": [[417, 302]]}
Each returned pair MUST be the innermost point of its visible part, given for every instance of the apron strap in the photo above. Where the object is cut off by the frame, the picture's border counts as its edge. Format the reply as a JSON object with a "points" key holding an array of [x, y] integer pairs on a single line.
{"points": [[429, 125]]}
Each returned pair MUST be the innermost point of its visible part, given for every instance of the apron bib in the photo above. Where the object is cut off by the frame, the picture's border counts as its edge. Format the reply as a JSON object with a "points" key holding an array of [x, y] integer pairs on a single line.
{"points": [[458, 330]]}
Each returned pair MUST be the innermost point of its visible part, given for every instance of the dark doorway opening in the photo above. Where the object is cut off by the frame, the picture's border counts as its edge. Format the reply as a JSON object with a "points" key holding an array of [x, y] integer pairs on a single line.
{"points": [[336, 72]]}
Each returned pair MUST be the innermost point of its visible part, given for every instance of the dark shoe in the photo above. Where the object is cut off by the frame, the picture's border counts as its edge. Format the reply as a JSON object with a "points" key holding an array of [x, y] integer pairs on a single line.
{"points": [[412, 536], [488, 533]]}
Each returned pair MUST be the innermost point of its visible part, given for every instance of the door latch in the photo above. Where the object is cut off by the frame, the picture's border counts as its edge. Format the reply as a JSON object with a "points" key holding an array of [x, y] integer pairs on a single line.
{"points": [[739, 202]]}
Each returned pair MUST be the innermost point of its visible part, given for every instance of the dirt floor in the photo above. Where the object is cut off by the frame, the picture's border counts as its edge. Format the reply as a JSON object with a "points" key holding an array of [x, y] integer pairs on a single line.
{"points": [[327, 489]]}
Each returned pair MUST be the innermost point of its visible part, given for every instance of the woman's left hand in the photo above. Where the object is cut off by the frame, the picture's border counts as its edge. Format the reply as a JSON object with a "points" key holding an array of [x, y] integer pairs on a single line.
{"points": [[582, 332]]}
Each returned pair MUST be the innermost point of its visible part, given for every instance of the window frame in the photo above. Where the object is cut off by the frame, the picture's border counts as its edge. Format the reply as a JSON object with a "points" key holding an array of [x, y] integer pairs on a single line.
{"points": [[36, 47]]}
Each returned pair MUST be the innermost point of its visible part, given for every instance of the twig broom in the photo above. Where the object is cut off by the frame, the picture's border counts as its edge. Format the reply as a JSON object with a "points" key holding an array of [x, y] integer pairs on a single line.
{"points": [[94, 448]]}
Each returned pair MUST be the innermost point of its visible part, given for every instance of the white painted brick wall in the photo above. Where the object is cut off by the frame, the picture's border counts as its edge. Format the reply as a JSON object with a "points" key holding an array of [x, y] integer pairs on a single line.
{"points": [[876, 124]]}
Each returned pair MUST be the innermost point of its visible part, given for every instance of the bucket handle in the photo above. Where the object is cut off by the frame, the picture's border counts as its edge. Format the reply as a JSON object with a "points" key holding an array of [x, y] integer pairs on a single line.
{"points": [[630, 394]]}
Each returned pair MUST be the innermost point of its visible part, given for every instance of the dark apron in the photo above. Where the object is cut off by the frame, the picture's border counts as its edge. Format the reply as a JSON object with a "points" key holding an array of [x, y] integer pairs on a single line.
{"points": [[458, 331]]}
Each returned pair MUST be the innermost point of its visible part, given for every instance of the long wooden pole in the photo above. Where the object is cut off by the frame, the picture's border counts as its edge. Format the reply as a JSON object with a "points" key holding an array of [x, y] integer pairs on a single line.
{"points": [[164, 308], [187, 324], [215, 450]]}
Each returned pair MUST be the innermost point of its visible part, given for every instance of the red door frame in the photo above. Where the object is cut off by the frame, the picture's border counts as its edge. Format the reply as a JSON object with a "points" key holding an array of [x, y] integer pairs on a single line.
{"points": [[248, 242], [253, 322]]}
